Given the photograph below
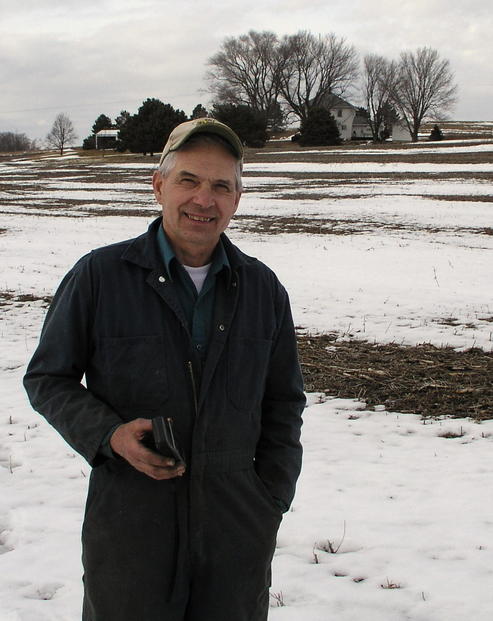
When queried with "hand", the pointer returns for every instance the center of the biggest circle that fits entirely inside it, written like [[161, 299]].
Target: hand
[[126, 442]]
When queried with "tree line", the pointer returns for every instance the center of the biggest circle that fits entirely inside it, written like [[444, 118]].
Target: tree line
[[260, 82], [148, 129], [13, 141], [289, 77]]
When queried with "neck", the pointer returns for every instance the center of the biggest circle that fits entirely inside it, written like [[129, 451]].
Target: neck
[[193, 259], [191, 254]]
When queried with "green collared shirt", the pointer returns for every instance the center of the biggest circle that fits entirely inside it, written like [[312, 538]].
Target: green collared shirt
[[198, 308]]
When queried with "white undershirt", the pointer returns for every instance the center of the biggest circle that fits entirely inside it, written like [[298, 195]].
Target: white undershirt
[[198, 275]]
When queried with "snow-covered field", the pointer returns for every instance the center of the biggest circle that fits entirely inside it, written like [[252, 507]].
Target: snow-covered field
[[392, 521]]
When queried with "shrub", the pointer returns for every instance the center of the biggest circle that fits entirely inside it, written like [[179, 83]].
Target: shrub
[[436, 133], [319, 129]]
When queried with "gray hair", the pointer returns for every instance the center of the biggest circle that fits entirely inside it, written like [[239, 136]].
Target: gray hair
[[169, 161]]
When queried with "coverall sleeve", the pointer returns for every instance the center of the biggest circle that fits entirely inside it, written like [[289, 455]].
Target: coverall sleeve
[[53, 379], [279, 452]]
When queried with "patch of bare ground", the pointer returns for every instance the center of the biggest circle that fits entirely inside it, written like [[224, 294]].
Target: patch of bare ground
[[480, 198], [426, 380], [343, 226], [285, 224], [285, 193], [86, 211], [380, 153], [462, 130], [411, 158], [354, 177], [40, 178], [117, 211], [9, 297]]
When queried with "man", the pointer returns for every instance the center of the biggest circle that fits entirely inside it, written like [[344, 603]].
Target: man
[[177, 323]]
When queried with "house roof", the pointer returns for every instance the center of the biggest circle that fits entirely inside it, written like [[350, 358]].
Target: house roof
[[334, 101]]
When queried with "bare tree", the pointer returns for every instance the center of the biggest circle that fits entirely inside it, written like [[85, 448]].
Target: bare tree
[[300, 72], [13, 141], [314, 67], [244, 72], [379, 82], [424, 89], [62, 133]]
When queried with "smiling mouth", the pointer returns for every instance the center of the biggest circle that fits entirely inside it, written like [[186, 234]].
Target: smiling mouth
[[198, 218]]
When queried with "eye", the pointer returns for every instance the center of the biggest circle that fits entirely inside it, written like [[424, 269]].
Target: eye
[[187, 182], [223, 188]]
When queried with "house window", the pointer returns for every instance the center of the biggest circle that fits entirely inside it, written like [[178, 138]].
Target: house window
[[339, 113]]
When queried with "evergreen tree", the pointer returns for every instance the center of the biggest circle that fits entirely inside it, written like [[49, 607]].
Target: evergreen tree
[[436, 133], [149, 129], [122, 118], [199, 112], [89, 142], [249, 124], [276, 117], [102, 122], [319, 129], [390, 117]]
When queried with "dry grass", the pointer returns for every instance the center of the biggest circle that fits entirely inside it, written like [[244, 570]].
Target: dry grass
[[8, 298], [340, 226], [426, 380]]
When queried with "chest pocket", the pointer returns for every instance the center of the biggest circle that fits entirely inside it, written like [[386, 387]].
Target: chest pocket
[[248, 361], [135, 369]]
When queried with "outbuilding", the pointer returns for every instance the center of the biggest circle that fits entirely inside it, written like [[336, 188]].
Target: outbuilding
[[106, 138]]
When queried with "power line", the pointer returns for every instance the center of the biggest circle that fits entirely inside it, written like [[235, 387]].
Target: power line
[[61, 107], [85, 105]]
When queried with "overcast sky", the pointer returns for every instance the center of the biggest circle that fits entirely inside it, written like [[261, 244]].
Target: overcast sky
[[87, 57]]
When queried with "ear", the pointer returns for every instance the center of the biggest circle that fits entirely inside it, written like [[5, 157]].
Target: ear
[[157, 185], [237, 201]]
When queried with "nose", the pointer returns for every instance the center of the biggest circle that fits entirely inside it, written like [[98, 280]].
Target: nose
[[204, 197]]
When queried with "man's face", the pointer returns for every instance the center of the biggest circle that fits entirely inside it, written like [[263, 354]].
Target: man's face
[[198, 197]]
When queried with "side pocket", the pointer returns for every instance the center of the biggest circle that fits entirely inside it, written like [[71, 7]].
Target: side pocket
[[135, 369], [264, 492], [248, 361]]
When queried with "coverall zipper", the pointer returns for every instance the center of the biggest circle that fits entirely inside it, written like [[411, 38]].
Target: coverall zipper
[[194, 387], [180, 514]]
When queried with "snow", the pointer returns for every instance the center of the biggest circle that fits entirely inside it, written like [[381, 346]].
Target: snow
[[405, 510], [366, 167], [401, 506], [449, 147], [398, 289]]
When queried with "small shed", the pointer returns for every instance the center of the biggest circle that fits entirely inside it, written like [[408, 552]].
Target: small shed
[[106, 138], [400, 132]]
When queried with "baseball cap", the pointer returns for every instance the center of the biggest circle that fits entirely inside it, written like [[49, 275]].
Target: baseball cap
[[205, 125]]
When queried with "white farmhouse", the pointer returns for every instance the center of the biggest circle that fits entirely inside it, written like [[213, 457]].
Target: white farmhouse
[[361, 128], [343, 112], [350, 120]]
